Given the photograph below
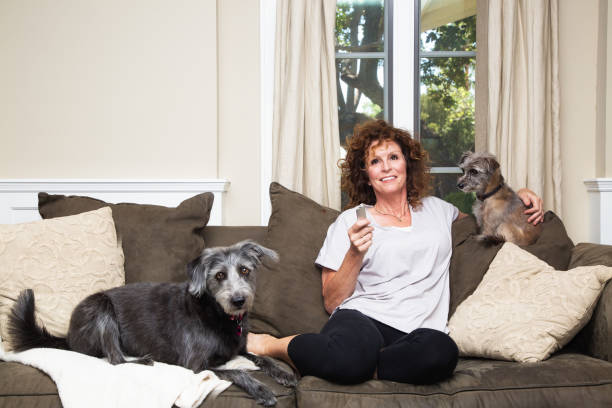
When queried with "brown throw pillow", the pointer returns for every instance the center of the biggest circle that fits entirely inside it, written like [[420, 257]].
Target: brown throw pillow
[[471, 258], [289, 299], [158, 242], [587, 254]]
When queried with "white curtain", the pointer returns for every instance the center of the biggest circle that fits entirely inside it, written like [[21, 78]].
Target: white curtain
[[523, 95], [306, 145]]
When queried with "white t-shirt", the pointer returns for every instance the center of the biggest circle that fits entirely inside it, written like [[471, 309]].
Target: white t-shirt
[[403, 280]]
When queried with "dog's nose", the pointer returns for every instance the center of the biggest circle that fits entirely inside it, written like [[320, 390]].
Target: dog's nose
[[238, 301], [460, 185]]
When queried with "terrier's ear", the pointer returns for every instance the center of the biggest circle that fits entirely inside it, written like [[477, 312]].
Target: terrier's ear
[[464, 157], [491, 163], [196, 270], [256, 252]]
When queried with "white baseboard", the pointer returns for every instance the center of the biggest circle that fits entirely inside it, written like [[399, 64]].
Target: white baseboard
[[19, 197], [600, 205]]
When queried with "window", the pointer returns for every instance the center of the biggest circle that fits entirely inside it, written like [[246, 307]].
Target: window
[[361, 63], [420, 79], [447, 70]]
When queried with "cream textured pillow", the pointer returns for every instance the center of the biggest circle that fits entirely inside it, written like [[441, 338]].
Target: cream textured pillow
[[524, 309], [63, 260]]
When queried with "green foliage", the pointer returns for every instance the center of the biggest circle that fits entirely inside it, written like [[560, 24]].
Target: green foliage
[[463, 201], [447, 129], [446, 73], [343, 19], [370, 109], [447, 103]]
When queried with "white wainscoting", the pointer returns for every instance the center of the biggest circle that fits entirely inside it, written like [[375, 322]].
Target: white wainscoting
[[19, 197], [600, 205]]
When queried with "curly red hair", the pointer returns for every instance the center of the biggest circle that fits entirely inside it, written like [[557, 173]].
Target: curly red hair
[[355, 178]]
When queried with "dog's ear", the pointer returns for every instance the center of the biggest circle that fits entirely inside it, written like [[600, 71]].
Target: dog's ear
[[255, 251], [491, 162], [464, 157], [196, 270]]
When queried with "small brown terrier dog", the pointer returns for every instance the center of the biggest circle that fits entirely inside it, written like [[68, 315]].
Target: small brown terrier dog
[[498, 209]]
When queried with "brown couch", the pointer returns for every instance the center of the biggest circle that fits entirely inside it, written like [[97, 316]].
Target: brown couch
[[289, 301]]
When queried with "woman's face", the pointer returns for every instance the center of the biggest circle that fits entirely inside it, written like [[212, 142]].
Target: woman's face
[[386, 168]]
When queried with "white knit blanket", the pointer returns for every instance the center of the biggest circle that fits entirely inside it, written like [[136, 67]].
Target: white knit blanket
[[84, 381]]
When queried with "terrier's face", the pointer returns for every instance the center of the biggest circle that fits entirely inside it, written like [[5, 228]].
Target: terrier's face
[[478, 168], [228, 274]]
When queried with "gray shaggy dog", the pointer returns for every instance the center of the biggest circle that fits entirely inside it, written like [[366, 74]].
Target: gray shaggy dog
[[499, 211], [199, 324]]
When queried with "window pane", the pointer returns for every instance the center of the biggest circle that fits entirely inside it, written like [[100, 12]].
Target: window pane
[[360, 89], [359, 25], [447, 108], [448, 28], [445, 187]]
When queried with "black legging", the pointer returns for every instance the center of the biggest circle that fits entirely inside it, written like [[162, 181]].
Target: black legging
[[352, 346]]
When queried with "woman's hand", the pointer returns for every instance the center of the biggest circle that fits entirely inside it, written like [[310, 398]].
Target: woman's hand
[[533, 204], [339, 285], [360, 235]]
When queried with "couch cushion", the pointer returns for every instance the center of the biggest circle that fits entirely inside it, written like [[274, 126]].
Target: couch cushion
[[24, 386], [289, 299], [596, 337], [158, 241], [524, 309], [586, 254], [217, 235], [565, 380], [236, 397], [63, 260], [471, 257]]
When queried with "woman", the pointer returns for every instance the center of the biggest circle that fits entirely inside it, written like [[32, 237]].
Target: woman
[[385, 277]]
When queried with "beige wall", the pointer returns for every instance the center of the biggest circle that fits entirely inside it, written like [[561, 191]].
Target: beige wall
[[113, 89], [608, 70], [582, 80], [138, 89], [239, 109]]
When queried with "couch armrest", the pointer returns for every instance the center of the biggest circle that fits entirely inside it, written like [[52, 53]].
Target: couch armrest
[[595, 339]]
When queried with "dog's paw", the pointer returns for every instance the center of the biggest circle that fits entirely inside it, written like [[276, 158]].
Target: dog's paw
[[263, 396], [489, 240], [286, 379], [144, 360]]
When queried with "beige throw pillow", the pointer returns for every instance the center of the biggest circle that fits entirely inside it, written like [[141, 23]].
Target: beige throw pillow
[[63, 260], [524, 309]]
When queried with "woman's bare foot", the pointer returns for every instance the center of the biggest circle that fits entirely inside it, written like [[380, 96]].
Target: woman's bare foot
[[267, 345], [259, 343]]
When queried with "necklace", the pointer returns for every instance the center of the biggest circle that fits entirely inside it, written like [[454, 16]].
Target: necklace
[[400, 218]]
